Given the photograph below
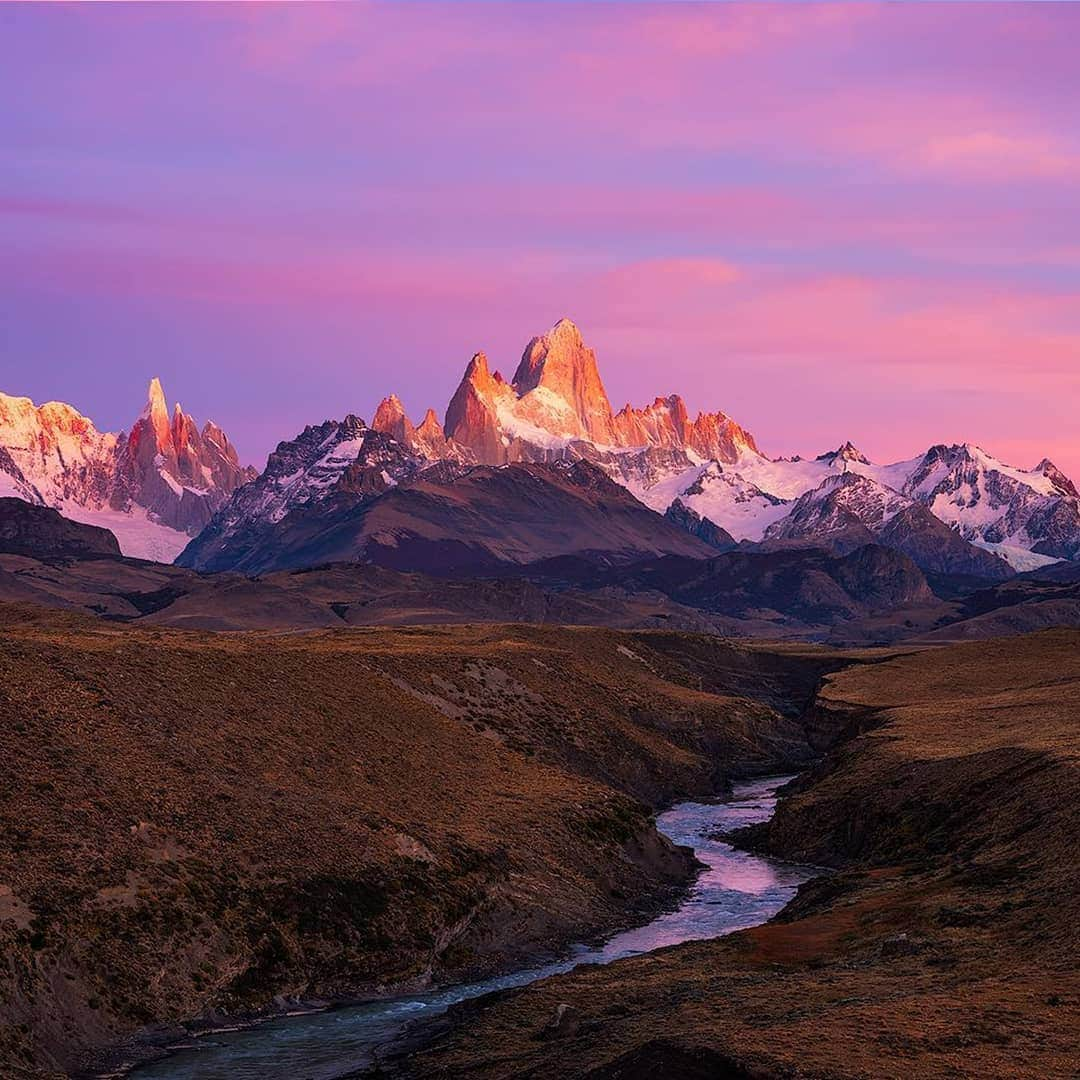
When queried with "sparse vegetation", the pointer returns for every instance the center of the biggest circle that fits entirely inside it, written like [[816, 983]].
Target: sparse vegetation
[[195, 822]]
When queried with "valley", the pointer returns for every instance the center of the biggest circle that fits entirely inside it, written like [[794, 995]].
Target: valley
[[942, 945], [206, 826], [734, 890], [216, 828]]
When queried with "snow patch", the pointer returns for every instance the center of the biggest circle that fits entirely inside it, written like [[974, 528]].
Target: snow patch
[[1020, 559], [139, 536]]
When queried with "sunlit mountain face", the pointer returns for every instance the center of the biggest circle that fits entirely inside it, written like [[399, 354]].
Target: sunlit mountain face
[[154, 485]]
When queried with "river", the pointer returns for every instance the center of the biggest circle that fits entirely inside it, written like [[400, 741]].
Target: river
[[735, 890]]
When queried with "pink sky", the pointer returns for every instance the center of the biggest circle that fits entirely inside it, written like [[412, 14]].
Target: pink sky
[[832, 222]]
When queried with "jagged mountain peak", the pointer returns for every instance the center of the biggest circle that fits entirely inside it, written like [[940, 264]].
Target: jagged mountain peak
[[556, 406], [426, 439], [153, 485], [155, 397], [848, 451], [1060, 482], [389, 411], [562, 347], [560, 373], [840, 480], [156, 413], [964, 452], [672, 404], [390, 417], [841, 500], [478, 370]]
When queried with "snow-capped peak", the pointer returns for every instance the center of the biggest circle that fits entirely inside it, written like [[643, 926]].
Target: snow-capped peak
[[845, 453]]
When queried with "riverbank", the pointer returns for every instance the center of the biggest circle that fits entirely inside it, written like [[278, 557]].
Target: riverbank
[[943, 946], [203, 826], [734, 890], [306, 1026]]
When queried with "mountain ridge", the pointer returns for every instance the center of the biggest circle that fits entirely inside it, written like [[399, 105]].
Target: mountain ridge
[[708, 471]]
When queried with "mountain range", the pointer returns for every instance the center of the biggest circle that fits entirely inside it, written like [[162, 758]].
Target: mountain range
[[536, 467]]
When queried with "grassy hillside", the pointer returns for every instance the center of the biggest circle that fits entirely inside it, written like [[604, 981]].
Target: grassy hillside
[[195, 823]]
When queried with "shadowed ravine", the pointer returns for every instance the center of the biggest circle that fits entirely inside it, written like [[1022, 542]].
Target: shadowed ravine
[[735, 891]]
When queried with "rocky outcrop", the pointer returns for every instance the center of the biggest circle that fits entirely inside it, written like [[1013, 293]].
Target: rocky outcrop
[[666, 423], [428, 440], [390, 419], [43, 533], [702, 528], [472, 415]]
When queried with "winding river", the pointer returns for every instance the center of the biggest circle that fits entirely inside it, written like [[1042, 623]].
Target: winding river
[[735, 891]]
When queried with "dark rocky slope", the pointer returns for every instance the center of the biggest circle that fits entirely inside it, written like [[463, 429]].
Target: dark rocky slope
[[804, 594], [40, 531], [445, 520], [870, 595], [807, 586]]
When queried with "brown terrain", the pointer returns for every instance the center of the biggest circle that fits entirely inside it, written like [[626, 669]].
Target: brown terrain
[[799, 594], [869, 595], [945, 943], [327, 802], [202, 825]]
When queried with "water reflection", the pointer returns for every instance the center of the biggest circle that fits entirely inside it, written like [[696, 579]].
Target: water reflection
[[735, 891]]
